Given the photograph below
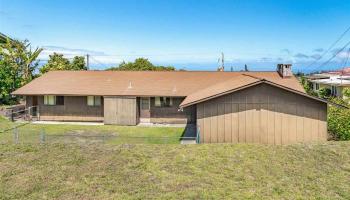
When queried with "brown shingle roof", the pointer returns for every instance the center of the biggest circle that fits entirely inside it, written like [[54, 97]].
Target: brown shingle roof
[[220, 88], [142, 83]]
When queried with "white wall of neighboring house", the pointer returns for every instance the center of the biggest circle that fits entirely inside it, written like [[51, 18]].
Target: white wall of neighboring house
[[335, 82]]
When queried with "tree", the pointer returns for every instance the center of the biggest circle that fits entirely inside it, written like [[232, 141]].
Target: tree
[[78, 63], [141, 64], [18, 63], [58, 62]]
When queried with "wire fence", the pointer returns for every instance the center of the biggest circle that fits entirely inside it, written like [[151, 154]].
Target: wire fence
[[20, 136]]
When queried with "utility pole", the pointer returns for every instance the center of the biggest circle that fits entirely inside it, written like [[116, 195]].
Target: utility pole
[[87, 61], [222, 61], [222, 65]]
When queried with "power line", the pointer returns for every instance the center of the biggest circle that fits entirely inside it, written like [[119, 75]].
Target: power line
[[339, 51], [324, 53], [347, 58]]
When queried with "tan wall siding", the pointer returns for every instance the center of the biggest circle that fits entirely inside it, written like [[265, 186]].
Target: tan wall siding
[[75, 108], [120, 110], [262, 114]]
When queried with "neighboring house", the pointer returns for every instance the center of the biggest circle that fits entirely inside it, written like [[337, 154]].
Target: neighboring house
[[3, 38], [336, 81], [262, 107]]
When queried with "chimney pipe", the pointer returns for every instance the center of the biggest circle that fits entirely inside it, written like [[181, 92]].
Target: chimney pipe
[[285, 70]]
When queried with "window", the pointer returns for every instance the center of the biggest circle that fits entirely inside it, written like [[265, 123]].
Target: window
[[49, 100], [59, 100], [144, 103], [53, 100], [317, 86], [163, 101], [157, 102], [334, 90], [93, 100]]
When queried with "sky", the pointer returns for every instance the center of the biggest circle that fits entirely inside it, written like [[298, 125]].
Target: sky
[[187, 34]]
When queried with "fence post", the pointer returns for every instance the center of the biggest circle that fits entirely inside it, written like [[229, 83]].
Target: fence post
[[42, 136], [12, 118], [29, 114], [198, 140], [37, 113], [15, 135]]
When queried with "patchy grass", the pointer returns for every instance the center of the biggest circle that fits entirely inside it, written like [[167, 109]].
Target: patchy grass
[[121, 134], [67, 171]]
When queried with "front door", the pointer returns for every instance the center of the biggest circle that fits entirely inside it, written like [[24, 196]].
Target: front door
[[145, 105], [34, 108]]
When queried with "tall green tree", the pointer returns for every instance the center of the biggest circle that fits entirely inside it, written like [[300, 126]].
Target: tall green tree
[[78, 63], [141, 64], [58, 62], [18, 62]]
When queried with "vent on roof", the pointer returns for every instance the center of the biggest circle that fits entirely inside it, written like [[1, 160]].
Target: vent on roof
[[130, 85], [285, 70]]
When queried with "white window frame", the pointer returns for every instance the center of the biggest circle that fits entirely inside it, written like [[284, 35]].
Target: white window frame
[[92, 100]]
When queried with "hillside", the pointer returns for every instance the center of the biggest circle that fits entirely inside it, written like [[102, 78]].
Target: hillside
[[67, 171]]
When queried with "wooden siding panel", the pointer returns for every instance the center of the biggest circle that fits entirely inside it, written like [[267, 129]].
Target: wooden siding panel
[[269, 115], [200, 121], [242, 122], [235, 122], [207, 123], [278, 124], [228, 122], [213, 122], [221, 122], [172, 114], [263, 128], [300, 123], [249, 123], [75, 108], [292, 123], [120, 110], [271, 124]]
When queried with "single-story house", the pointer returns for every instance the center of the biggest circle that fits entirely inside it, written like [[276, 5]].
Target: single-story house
[[335, 81], [262, 107]]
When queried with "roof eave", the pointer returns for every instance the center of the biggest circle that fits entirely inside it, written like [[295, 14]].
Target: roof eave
[[259, 82]]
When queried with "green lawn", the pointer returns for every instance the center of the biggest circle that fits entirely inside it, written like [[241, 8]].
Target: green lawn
[[30, 133], [70, 171]]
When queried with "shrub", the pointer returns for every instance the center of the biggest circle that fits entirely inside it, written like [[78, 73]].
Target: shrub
[[339, 120], [324, 93], [346, 92]]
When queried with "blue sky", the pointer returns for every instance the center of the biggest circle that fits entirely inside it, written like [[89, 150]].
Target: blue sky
[[188, 34]]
